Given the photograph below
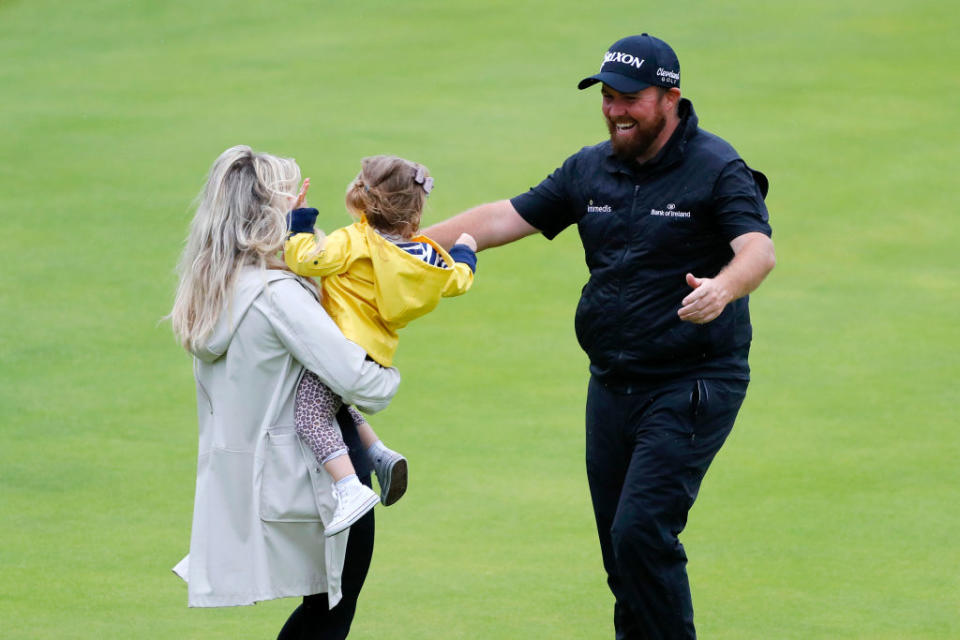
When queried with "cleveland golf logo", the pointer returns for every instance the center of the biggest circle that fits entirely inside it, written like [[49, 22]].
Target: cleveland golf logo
[[623, 58], [668, 76]]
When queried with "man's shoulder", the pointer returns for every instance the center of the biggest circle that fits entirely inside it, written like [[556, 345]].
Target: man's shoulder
[[707, 146], [709, 150], [586, 162], [593, 153]]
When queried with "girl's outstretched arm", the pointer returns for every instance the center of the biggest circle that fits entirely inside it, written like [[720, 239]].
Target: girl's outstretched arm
[[308, 253]]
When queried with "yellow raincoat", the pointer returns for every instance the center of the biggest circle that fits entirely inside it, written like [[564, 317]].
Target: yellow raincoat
[[371, 287]]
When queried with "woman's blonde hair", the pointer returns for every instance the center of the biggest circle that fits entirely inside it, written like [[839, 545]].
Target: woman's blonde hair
[[390, 192], [240, 220]]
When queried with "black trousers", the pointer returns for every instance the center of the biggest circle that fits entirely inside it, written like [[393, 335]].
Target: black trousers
[[647, 453], [314, 619]]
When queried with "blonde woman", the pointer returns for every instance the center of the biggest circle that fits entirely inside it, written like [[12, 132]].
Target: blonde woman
[[254, 328]]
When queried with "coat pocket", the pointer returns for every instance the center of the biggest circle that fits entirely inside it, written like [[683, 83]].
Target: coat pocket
[[286, 490]]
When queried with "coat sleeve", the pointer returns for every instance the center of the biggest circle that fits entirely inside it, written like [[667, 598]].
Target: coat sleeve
[[463, 269], [316, 342], [460, 281], [307, 257]]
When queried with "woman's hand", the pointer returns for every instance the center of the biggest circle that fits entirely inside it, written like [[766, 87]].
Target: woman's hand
[[467, 239], [302, 196]]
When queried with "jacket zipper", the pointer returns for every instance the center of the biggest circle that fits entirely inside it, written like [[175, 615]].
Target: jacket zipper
[[623, 257]]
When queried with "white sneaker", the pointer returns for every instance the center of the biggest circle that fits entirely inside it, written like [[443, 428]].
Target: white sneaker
[[353, 502], [391, 470]]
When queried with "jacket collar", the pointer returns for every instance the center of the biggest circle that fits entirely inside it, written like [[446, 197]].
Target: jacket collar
[[671, 153]]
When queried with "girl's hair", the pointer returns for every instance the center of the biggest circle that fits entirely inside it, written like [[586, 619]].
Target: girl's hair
[[390, 192], [240, 220]]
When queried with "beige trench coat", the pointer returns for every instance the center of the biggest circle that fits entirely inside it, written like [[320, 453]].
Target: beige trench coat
[[261, 500]]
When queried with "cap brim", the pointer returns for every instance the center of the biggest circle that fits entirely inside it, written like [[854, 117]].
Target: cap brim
[[623, 84]]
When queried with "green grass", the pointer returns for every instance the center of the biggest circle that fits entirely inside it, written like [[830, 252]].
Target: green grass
[[831, 512]]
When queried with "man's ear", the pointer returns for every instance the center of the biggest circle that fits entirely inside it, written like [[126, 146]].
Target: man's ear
[[673, 95]]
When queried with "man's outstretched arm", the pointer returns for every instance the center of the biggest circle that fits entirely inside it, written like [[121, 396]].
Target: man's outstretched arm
[[492, 224]]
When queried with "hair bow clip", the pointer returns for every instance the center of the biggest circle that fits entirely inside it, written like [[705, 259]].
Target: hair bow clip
[[423, 180]]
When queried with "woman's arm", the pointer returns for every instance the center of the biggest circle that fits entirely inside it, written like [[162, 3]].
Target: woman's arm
[[316, 342]]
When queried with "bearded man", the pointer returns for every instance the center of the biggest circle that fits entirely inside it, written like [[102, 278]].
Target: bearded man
[[676, 235]]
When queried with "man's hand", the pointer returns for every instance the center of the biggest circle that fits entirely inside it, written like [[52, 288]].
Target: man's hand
[[753, 258], [707, 300]]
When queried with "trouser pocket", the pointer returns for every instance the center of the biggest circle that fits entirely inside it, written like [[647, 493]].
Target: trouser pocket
[[699, 398], [714, 404]]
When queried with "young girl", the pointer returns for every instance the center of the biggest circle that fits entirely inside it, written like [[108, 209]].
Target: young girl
[[377, 276]]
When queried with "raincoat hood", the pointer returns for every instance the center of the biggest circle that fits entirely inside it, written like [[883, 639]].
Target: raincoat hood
[[401, 279], [245, 290]]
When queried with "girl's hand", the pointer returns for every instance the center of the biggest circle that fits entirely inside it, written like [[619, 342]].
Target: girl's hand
[[467, 239], [302, 196]]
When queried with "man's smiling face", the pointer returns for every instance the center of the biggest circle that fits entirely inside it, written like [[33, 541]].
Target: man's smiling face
[[634, 120]]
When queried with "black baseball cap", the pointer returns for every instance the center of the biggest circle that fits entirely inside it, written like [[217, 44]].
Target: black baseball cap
[[637, 62]]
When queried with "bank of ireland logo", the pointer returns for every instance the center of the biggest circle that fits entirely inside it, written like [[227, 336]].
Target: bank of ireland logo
[[604, 208], [669, 211]]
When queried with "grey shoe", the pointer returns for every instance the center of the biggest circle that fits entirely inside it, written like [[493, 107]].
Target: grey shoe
[[391, 470]]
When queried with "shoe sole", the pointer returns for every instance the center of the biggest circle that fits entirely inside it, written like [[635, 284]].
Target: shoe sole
[[358, 513], [396, 482]]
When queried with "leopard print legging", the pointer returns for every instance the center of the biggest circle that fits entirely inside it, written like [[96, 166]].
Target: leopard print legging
[[314, 417]]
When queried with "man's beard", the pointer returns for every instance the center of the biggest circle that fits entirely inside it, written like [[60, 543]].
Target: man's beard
[[629, 148]]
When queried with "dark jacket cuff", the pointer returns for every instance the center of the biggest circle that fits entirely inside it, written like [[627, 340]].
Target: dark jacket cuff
[[302, 220], [463, 253]]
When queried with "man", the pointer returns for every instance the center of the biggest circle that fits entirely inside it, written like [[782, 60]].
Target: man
[[676, 235]]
